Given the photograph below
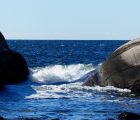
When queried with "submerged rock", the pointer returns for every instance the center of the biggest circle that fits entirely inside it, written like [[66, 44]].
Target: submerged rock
[[128, 116], [121, 69], [13, 67]]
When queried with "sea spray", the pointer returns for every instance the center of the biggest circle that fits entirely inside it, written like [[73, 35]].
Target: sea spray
[[61, 73]]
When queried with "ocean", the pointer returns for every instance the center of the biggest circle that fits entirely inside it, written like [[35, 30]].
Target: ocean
[[53, 90]]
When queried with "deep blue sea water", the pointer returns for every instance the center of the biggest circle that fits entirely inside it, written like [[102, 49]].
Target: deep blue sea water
[[53, 89]]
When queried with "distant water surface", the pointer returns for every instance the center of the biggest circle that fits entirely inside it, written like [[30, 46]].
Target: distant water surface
[[54, 88]]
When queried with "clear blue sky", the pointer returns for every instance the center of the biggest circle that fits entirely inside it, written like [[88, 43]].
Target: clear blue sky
[[70, 19]]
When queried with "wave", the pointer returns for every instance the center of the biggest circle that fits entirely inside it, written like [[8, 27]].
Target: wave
[[49, 76], [71, 74], [61, 73]]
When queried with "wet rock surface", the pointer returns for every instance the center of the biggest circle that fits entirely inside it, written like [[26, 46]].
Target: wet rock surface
[[121, 69]]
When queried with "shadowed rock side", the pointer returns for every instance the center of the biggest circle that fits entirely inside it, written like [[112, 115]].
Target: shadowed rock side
[[13, 67], [3, 43], [121, 69]]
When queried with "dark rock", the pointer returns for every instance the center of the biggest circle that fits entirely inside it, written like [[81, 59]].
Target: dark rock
[[135, 88], [3, 43], [55, 119], [1, 118], [13, 67], [92, 76], [2, 86], [128, 116], [110, 119]]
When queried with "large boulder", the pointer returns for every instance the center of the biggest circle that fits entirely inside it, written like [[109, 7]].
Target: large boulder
[[13, 67], [121, 69]]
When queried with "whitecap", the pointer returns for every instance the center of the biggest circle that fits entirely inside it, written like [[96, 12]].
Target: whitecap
[[61, 73], [72, 90]]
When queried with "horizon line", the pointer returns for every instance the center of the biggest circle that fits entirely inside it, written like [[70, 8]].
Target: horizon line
[[72, 39]]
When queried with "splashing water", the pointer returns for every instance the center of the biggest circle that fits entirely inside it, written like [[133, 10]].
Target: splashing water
[[65, 63], [70, 85], [65, 74], [61, 73]]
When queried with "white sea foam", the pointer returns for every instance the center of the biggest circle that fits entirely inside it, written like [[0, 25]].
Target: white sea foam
[[72, 90], [61, 73], [66, 73], [107, 88]]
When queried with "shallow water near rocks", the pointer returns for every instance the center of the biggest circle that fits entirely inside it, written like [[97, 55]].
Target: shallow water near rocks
[[53, 90]]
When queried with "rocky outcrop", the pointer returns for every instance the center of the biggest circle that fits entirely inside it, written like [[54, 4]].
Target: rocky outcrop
[[13, 67], [121, 69]]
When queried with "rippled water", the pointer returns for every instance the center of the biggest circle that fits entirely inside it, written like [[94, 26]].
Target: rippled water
[[53, 90]]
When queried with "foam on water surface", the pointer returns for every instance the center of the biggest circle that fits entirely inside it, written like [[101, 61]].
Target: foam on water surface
[[44, 81], [72, 90], [67, 63]]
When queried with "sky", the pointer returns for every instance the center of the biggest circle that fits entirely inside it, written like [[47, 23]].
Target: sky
[[70, 19]]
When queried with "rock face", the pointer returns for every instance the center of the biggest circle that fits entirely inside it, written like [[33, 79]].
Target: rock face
[[13, 67], [121, 69]]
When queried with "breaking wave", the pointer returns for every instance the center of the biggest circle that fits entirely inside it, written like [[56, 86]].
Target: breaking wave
[[63, 81], [61, 73], [50, 76]]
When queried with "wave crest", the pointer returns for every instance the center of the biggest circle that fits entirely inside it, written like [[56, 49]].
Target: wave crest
[[61, 73]]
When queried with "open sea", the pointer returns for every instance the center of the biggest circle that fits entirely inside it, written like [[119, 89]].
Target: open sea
[[53, 90]]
